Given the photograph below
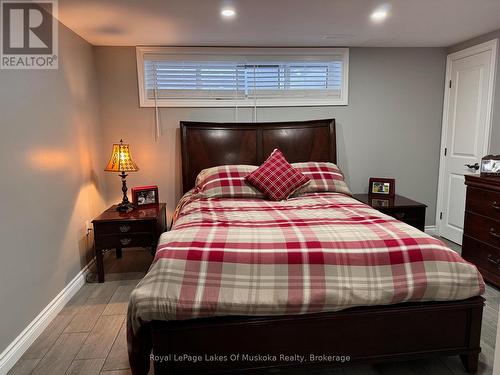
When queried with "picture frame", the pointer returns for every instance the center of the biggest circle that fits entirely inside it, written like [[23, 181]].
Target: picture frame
[[490, 166], [145, 196], [382, 187]]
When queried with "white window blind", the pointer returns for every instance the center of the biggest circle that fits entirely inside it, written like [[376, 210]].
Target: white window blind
[[263, 77]]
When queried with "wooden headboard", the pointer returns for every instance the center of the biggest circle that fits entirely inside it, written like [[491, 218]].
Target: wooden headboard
[[208, 144]]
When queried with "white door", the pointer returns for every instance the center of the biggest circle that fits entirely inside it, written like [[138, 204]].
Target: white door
[[466, 129]]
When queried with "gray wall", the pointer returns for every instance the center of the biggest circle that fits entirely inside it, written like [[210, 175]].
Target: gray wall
[[495, 129], [391, 127], [50, 182]]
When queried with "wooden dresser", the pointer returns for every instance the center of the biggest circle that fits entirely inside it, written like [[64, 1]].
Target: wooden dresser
[[481, 242]]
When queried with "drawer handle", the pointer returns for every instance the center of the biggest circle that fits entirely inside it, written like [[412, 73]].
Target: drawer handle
[[124, 228], [493, 260], [493, 233], [495, 205], [125, 241]]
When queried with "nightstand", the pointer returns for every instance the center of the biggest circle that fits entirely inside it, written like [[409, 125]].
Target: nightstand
[[117, 230], [399, 207]]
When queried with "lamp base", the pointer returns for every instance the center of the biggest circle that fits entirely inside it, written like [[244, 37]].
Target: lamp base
[[125, 207]]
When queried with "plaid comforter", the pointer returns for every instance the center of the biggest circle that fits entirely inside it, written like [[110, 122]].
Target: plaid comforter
[[313, 253]]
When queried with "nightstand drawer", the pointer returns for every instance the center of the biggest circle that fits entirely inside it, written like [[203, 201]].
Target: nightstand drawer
[[483, 202], [405, 214], [482, 228], [123, 227], [124, 240], [414, 216]]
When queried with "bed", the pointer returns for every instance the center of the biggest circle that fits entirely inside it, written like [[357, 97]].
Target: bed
[[199, 335]]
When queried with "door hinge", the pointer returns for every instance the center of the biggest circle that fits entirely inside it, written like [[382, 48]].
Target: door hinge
[[440, 216], [445, 151], [450, 84]]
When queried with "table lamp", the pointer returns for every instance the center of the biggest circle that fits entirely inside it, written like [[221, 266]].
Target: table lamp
[[121, 161]]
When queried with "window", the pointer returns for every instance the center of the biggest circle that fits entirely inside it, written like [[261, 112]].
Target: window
[[227, 77]]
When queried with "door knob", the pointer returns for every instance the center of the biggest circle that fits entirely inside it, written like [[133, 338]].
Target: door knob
[[473, 166]]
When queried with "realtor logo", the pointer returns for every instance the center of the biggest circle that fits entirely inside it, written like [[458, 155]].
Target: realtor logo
[[29, 34]]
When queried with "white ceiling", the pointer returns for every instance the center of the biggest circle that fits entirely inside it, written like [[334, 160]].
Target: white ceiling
[[279, 22]]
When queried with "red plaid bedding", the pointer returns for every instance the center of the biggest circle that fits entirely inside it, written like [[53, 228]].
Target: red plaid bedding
[[319, 252]]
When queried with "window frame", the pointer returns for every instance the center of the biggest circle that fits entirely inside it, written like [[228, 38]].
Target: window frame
[[233, 53]]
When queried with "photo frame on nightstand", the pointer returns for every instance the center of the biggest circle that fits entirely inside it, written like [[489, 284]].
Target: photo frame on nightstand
[[145, 196], [382, 187]]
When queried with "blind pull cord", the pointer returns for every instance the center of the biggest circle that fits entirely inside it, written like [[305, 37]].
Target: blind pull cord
[[254, 94], [157, 130], [236, 98]]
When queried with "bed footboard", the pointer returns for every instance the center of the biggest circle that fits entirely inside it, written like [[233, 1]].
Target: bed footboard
[[362, 334]]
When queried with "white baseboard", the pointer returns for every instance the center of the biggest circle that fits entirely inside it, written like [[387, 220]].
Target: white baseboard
[[21, 343], [431, 230]]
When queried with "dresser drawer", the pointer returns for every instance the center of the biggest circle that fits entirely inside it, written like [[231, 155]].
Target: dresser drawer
[[124, 240], [482, 228], [123, 227], [483, 202], [485, 257]]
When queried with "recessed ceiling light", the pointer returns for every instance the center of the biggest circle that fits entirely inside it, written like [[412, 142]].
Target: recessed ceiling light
[[380, 14], [228, 12]]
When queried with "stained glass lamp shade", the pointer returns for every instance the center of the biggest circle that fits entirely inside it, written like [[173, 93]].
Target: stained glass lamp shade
[[121, 161]]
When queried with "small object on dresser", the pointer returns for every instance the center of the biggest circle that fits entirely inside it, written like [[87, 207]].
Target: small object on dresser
[[121, 161], [382, 187], [490, 166], [143, 196]]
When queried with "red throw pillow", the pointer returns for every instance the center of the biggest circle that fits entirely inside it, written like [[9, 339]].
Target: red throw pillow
[[276, 178]]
